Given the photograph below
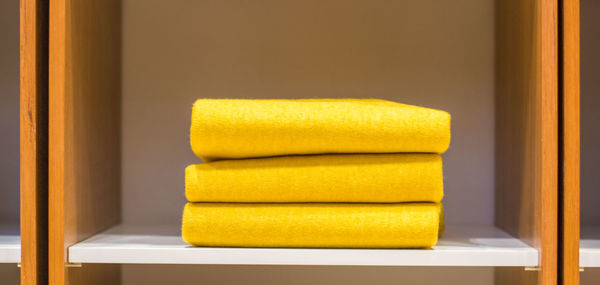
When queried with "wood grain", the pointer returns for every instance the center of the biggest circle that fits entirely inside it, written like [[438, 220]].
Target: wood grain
[[84, 141], [527, 130], [34, 141], [570, 138]]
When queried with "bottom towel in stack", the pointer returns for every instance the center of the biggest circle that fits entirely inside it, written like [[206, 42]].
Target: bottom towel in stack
[[403, 225]]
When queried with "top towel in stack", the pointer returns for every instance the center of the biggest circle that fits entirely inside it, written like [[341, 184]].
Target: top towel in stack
[[240, 128], [281, 154]]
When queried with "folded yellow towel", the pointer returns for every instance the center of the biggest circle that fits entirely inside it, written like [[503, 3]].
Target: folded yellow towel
[[318, 178], [405, 225], [238, 128]]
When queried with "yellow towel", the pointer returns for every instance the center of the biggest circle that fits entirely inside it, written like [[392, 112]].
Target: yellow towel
[[238, 128], [318, 178], [405, 225]]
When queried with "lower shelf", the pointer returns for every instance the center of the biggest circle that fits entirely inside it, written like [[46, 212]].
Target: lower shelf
[[459, 246], [10, 249], [589, 247]]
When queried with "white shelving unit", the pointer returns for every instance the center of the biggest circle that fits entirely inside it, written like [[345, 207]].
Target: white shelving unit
[[10, 249], [459, 246], [589, 247]]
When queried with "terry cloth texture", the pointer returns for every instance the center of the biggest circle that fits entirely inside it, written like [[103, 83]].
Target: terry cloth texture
[[405, 225], [239, 128], [319, 178]]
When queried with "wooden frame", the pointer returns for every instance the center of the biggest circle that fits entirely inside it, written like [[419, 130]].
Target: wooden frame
[[84, 144], [527, 130], [570, 144], [84, 116], [34, 141]]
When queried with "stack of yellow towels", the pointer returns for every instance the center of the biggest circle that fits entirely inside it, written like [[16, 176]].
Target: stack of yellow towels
[[345, 173]]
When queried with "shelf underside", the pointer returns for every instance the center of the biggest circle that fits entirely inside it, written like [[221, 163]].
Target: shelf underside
[[459, 246], [589, 247]]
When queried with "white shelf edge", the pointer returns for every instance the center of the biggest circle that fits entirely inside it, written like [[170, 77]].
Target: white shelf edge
[[589, 247], [10, 249], [459, 246]]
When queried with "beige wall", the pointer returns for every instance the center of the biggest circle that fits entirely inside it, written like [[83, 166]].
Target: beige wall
[[9, 128], [437, 54], [590, 112], [9, 112], [432, 53]]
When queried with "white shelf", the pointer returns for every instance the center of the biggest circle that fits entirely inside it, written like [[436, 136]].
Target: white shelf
[[459, 246], [10, 249], [589, 247]]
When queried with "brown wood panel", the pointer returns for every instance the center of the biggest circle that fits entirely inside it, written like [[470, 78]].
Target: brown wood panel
[[84, 140], [569, 255], [34, 141], [527, 131]]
